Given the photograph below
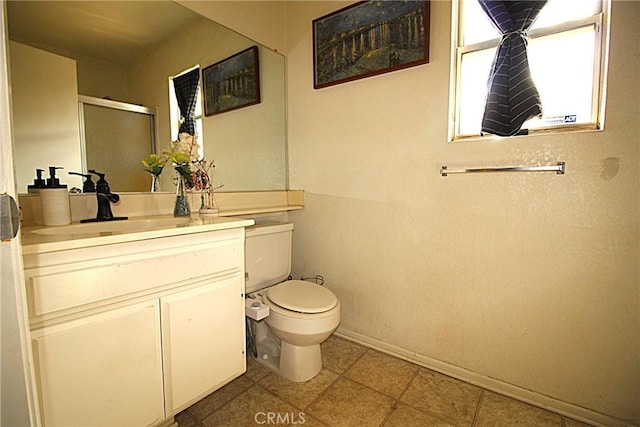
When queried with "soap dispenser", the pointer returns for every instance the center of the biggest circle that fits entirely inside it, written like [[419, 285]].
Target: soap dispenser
[[54, 200]]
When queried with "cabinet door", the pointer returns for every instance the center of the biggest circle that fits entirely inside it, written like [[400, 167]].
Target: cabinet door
[[203, 340], [104, 369]]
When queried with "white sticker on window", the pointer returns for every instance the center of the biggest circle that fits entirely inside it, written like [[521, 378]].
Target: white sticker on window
[[556, 120]]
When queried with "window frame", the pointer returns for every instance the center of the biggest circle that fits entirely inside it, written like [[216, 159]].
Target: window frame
[[600, 21]]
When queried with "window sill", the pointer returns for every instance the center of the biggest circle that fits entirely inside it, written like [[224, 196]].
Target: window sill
[[563, 130]]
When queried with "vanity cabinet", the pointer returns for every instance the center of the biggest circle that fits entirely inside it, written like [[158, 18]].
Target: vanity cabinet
[[132, 333]]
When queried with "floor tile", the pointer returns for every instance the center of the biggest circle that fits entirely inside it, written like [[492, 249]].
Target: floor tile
[[256, 370], [215, 400], [443, 397], [309, 421], [254, 406], [496, 410], [359, 386], [570, 422], [405, 416], [383, 373], [339, 354], [346, 403], [185, 419], [298, 394]]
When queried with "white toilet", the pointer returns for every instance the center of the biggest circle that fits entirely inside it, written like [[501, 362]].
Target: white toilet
[[301, 314]]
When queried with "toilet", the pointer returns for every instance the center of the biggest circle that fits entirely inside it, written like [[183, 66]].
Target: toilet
[[301, 314]]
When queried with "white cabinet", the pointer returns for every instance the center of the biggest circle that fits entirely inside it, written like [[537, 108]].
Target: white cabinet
[[203, 333], [132, 333], [104, 369]]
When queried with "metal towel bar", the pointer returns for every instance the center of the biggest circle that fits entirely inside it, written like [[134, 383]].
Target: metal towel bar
[[557, 168]]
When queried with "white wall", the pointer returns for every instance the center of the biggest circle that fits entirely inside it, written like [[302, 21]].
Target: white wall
[[528, 279]]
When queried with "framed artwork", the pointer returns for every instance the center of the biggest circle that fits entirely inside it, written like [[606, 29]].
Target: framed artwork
[[369, 38], [232, 83]]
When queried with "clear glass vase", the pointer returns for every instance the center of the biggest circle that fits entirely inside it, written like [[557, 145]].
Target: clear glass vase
[[181, 207], [155, 183]]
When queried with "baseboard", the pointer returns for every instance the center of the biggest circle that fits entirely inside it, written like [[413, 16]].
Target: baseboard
[[528, 396]]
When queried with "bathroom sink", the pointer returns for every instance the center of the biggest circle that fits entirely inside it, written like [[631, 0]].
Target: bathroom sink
[[130, 225]]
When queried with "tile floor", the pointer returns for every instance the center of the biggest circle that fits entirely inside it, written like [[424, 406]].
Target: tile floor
[[359, 386]]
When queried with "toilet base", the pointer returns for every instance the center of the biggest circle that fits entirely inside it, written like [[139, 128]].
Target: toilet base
[[299, 364], [295, 363]]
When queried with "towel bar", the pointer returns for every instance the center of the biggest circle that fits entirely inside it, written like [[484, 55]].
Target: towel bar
[[557, 168]]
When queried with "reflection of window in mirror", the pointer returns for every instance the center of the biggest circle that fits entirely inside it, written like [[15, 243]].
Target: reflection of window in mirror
[[174, 113]]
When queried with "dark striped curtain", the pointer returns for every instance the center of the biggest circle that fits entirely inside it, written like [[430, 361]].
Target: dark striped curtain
[[512, 97], [186, 88]]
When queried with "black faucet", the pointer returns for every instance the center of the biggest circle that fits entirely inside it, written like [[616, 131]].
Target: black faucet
[[105, 198]]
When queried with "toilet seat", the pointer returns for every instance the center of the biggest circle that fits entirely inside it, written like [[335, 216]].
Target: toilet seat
[[302, 297]]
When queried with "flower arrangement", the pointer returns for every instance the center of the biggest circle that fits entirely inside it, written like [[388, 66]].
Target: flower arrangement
[[201, 178], [195, 173], [154, 164], [182, 154]]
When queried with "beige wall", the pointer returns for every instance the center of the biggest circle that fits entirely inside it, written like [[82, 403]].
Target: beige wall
[[528, 282], [45, 115], [100, 79], [261, 20]]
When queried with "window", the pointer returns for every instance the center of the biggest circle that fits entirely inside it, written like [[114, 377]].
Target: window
[[567, 58], [174, 111]]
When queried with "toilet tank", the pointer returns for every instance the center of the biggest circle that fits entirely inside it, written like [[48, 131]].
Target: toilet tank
[[267, 254]]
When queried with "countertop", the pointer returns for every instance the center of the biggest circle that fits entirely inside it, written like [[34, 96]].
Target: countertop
[[34, 243]]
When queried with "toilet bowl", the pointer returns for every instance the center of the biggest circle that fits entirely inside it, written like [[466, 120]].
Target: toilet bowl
[[302, 314], [301, 326]]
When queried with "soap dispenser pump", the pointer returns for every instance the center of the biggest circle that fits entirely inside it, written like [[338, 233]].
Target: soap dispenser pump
[[53, 181], [38, 183], [54, 200]]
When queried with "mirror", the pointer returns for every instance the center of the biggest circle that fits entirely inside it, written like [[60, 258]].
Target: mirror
[[126, 51]]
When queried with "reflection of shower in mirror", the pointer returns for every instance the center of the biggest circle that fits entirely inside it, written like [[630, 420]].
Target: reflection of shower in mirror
[[114, 136]]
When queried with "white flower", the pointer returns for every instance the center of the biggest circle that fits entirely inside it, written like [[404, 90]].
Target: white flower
[[188, 144]]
